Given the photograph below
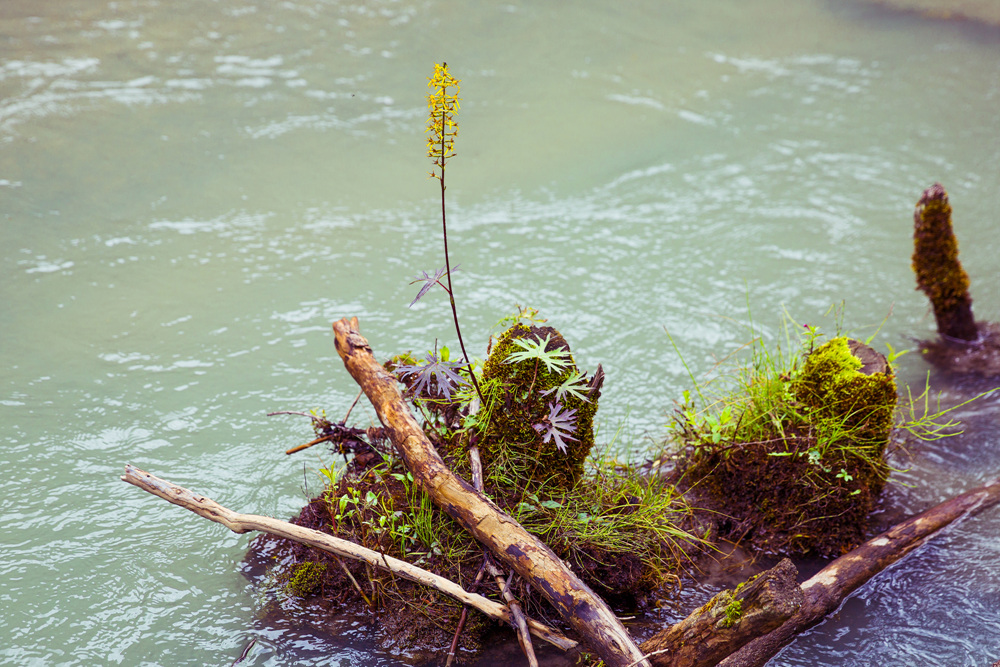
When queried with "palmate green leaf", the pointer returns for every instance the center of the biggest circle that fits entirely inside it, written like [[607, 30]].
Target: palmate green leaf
[[555, 361], [574, 385]]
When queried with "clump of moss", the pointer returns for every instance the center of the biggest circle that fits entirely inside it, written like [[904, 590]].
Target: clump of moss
[[939, 272], [849, 385], [733, 612], [305, 579], [798, 462], [521, 396]]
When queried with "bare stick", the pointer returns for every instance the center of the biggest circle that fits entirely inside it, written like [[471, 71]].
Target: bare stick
[[465, 614], [318, 440], [243, 523], [523, 638]]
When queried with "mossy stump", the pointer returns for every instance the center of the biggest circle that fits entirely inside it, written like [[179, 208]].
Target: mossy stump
[[939, 273], [522, 395], [808, 489]]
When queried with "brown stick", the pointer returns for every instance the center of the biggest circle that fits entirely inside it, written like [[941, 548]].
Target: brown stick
[[584, 611], [465, 614], [520, 624], [728, 621], [243, 523], [299, 448], [827, 589]]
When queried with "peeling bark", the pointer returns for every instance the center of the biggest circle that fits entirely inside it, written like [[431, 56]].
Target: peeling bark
[[728, 621]]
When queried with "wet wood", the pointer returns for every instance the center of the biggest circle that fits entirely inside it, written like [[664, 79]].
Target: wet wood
[[825, 592], [243, 523], [506, 539], [939, 272], [728, 621]]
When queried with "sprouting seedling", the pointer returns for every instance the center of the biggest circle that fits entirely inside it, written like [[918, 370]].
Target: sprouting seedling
[[442, 128], [557, 425]]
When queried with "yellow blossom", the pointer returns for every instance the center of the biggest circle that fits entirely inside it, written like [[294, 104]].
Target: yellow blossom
[[442, 103]]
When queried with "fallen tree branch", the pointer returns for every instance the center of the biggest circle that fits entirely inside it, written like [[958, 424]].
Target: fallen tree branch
[[243, 523], [728, 621], [579, 606], [830, 586]]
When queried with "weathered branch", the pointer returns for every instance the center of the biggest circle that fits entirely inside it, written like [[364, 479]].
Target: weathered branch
[[830, 586], [243, 523], [728, 621], [579, 606]]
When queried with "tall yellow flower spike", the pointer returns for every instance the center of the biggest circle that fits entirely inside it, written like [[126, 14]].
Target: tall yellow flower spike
[[441, 124]]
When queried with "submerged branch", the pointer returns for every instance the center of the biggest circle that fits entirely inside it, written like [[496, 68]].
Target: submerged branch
[[830, 586]]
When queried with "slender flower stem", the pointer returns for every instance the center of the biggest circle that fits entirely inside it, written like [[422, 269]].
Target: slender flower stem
[[451, 292]]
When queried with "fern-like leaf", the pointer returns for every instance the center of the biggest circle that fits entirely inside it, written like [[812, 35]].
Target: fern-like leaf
[[433, 378], [555, 361], [557, 425]]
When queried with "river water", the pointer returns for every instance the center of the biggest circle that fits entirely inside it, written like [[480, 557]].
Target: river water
[[192, 192]]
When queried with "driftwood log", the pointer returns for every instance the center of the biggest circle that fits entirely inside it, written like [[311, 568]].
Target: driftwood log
[[728, 621], [244, 523], [825, 591], [505, 538]]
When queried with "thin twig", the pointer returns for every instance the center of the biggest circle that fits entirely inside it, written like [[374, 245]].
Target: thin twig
[[244, 523], [519, 621], [465, 615], [356, 399], [318, 440], [354, 581]]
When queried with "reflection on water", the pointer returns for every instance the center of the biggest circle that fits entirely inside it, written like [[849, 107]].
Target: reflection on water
[[191, 192]]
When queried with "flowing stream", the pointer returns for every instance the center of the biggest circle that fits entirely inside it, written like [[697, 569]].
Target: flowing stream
[[191, 192]]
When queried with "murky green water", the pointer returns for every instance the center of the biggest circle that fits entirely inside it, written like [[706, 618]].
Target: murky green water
[[191, 192]]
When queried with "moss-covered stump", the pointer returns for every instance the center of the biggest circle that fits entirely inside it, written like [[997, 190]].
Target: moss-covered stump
[[939, 272], [540, 412], [807, 483], [850, 387]]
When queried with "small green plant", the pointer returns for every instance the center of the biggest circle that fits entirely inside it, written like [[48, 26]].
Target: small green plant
[[733, 613], [442, 128]]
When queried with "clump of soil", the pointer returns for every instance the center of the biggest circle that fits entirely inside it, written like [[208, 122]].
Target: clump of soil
[[807, 482]]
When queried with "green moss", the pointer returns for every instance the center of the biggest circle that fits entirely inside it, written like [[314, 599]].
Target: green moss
[[935, 261], [520, 395], [836, 390], [305, 579], [935, 254], [797, 468], [734, 612]]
